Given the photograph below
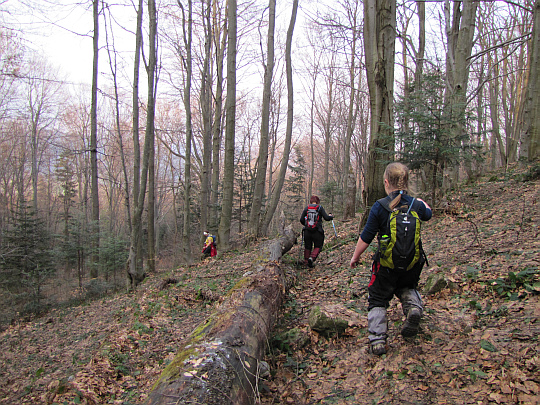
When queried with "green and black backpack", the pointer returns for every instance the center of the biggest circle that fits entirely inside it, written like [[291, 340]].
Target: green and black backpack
[[401, 248]]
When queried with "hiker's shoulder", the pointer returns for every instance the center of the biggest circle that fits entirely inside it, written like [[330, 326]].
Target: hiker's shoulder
[[382, 204]]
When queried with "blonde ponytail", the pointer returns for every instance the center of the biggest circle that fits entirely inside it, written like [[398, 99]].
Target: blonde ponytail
[[397, 175]]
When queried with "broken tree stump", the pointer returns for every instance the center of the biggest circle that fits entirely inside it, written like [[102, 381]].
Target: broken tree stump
[[220, 362]]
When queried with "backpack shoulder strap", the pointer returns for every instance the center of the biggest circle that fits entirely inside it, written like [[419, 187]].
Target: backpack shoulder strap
[[410, 206], [385, 202]]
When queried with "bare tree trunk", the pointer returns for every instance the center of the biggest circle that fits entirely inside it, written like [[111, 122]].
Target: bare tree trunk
[[151, 242], [379, 43], [260, 178], [218, 116], [480, 113], [530, 141], [419, 57], [328, 124], [136, 273], [34, 149], [273, 137], [150, 132], [288, 131], [206, 112], [460, 34], [93, 146], [189, 132], [311, 129], [134, 266], [351, 118], [224, 231]]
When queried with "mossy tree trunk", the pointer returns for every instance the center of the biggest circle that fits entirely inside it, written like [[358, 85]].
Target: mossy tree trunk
[[220, 362]]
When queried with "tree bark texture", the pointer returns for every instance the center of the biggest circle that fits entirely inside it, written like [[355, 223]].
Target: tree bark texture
[[419, 56], [460, 28], [220, 41], [150, 130], [220, 362], [188, 66], [134, 265], [288, 131], [206, 113], [328, 124], [530, 142], [224, 230], [258, 193], [351, 118], [93, 145], [379, 43]]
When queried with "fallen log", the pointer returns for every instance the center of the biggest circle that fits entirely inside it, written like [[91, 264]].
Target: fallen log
[[220, 363]]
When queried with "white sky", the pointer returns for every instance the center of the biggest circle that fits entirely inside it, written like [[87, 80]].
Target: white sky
[[62, 31]]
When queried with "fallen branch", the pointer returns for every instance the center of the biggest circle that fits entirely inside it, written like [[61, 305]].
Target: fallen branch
[[476, 233]]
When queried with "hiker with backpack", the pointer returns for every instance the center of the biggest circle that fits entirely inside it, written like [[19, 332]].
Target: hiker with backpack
[[399, 258], [209, 248], [313, 229]]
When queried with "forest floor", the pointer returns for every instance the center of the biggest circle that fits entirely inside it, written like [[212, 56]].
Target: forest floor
[[478, 343]]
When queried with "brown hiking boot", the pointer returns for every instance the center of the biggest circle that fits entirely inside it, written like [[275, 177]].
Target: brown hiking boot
[[378, 349], [412, 323]]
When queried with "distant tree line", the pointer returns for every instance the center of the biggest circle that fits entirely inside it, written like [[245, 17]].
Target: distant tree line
[[225, 114]]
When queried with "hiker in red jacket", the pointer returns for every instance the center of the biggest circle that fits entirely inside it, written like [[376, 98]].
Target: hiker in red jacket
[[313, 229]]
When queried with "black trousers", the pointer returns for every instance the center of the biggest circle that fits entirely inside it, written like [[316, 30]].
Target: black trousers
[[313, 238], [386, 282]]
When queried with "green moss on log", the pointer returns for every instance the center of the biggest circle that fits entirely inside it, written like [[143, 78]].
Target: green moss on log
[[243, 282], [178, 364]]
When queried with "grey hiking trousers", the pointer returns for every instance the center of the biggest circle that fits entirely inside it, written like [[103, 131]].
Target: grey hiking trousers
[[384, 284], [377, 319]]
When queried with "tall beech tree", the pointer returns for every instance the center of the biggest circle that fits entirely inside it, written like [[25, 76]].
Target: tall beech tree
[[288, 131], [379, 44], [135, 267], [530, 142], [262, 160], [205, 98], [188, 66], [136, 272], [151, 71], [349, 190], [93, 144], [220, 42], [224, 230], [149, 143], [460, 27]]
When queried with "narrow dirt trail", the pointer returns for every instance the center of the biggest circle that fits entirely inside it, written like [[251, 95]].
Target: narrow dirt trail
[[478, 341]]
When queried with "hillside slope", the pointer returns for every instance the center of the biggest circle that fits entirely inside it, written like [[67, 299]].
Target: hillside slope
[[478, 341]]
